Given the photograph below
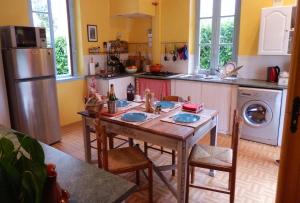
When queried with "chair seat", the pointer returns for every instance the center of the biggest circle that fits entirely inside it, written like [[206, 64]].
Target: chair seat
[[124, 159], [205, 155]]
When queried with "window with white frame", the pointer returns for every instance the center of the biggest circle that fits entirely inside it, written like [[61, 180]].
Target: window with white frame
[[55, 16], [216, 33]]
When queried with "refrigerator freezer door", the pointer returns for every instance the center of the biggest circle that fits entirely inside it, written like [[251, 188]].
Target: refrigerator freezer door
[[4, 112], [38, 109], [29, 63]]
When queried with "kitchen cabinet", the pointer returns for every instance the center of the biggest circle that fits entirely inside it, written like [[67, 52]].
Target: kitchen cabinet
[[183, 89], [132, 8], [223, 98], [276, 30], [120, 84]]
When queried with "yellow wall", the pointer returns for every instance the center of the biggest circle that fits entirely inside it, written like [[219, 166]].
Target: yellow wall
[[121, 7], [250, 22], [139, 30], [70, 100], [97, 12], [175, 20], [14, 12]]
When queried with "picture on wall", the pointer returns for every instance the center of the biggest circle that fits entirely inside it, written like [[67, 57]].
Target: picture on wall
[[92, 33]]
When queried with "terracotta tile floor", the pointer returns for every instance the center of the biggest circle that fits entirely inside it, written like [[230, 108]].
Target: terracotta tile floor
[[256, 172]]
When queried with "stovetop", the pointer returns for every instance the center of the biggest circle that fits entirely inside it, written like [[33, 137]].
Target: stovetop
[[161, 74]]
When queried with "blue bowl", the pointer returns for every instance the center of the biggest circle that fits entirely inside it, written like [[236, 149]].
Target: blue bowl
[[165, 104], [134, 117], [186, 118], [122, 103]]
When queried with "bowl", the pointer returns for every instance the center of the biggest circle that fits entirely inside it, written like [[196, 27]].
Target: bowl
[[155, 68], [131, 69]]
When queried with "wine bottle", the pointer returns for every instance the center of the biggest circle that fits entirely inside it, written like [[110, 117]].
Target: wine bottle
[[112, 95]]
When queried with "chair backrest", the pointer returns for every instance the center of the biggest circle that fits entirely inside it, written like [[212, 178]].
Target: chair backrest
[[235, 137], [171, 98], [102, 150]]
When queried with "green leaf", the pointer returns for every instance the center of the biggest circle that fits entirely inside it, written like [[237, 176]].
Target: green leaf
[[30, 190], [12, 175], [33, 147], [6, 147], [7, 190], [38, 171]]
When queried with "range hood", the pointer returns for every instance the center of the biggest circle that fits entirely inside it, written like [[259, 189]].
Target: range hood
[[132, 8]]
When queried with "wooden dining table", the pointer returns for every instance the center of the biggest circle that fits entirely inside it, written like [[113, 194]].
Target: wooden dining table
[[173, 136]]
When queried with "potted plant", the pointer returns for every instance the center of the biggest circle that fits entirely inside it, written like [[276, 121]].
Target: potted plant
[[22, 169]]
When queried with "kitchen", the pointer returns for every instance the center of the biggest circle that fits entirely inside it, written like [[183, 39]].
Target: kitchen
[[157, 32]]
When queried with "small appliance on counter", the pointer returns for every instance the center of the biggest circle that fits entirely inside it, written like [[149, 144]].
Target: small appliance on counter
[[273, 73], [283, 78]]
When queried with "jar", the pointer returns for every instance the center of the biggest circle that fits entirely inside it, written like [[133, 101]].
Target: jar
[[130, 92]]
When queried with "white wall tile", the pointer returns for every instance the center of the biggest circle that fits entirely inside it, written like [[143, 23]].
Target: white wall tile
[[255, 67]]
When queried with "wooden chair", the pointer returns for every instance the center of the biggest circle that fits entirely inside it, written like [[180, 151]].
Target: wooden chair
[[123, 160], [173, 153], [216, 158]]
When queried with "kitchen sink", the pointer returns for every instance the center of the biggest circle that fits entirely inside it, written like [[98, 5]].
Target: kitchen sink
[[200, 77]]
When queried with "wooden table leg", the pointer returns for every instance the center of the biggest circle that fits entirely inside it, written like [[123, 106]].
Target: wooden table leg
[[86, 141], [213, 142], [182, 154]]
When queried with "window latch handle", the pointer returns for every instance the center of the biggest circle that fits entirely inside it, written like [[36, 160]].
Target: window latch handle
[[295, 115]]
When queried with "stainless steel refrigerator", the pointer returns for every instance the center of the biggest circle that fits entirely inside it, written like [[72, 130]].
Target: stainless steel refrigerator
[[31, 85], [4, 112]]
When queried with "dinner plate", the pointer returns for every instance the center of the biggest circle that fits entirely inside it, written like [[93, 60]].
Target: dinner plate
[[122, 103], [134, 117], [186, 118], [165, 104]]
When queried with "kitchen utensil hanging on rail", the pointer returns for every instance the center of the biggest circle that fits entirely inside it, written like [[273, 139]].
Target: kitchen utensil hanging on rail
[[166, 57], [175, 53]]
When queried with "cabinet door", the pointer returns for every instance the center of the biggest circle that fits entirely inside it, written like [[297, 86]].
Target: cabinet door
[[274, 31], [187, 88], [120, 85], [219, 97]]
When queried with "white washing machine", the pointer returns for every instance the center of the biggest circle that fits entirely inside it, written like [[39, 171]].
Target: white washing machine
[[261, 112]]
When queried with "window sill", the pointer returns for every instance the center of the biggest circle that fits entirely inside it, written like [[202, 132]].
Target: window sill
[[68, 78]]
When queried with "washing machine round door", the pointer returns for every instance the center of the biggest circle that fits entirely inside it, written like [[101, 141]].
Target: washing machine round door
[[257, 113]]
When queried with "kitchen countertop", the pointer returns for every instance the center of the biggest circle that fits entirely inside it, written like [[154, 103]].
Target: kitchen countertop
[[121, 75], [240, 82], [84, 182]]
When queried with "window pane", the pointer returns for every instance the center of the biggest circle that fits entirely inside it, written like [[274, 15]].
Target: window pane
[[227, 7], [226, 30], [42, 20], [205, 57], [61, 37], [205, 31], [206, 8], [225, 54], [39, 5]]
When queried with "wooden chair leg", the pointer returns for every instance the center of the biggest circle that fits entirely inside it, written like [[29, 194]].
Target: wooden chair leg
[[130, 140], [146, 148], [111, 142], [150, 179], [187, 185], [192, 174], [229, 181], [161, 150], [232, 187], [173, 161], [137, 177]]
